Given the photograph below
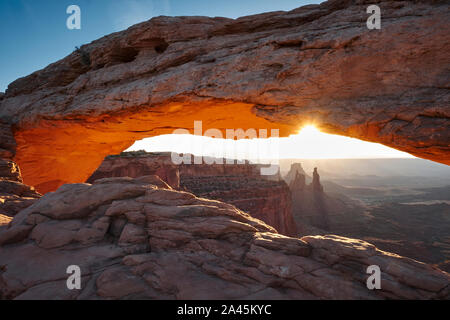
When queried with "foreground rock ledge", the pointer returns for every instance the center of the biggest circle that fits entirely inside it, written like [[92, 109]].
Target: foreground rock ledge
[[317, 63], [139, 239]]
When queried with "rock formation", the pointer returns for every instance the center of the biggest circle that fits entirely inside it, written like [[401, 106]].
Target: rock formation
[[140, 239], [239, 184], [14, 195], [7, 142], [269, 201], [310, 205], [316, 64], [296, 169], [315, 185], [138, 164]]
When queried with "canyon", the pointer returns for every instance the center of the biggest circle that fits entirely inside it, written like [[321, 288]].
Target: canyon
[[302, 205], [401, 221], [264, 197]]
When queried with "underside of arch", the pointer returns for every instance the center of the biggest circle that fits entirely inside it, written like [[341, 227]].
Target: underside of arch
[[280, 70]]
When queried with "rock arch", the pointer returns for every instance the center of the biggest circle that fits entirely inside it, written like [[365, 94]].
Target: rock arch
[[317, 63]]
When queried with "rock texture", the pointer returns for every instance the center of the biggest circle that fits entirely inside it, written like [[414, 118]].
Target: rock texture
[[14, 195], [7, 141], [310, 205], [267, 198], [138, 164], [316, 64], [138, 238]]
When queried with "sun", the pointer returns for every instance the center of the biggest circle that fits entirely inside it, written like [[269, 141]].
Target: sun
[[311, 143], [309, 130]]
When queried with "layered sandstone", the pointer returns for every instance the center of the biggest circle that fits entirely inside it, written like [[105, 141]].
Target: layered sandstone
[[140, 239], [14, 195], [7, 141], [316, 64], [138, 164], [267, 198]]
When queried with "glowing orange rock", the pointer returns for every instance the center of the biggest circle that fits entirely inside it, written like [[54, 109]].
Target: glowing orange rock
[[316, 64]]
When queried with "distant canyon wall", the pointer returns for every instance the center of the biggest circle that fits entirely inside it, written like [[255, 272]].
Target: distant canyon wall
[[266, 198]]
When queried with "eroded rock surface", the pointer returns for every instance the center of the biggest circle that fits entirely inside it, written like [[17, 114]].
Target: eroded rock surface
[[138, 164], [14, 195], [7, 141], [138, 238], [315, 64], [267, 200]]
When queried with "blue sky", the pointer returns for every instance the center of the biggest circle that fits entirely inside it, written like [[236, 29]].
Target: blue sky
[[33, 33]]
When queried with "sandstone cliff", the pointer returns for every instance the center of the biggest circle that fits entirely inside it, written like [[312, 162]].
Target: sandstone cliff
[[311, 206], [269, 201], [138, 238], [136, 165], [315, 64], [14, 195]]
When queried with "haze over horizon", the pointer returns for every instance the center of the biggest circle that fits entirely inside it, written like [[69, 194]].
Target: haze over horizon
[[309, 143]]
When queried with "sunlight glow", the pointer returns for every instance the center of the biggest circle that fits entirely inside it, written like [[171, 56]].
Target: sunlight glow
[[309, 143]]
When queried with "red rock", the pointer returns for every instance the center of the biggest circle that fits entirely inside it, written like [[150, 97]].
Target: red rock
[[9, 170], [239, 184], [7, 141], [134, 166], [14, 195]]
